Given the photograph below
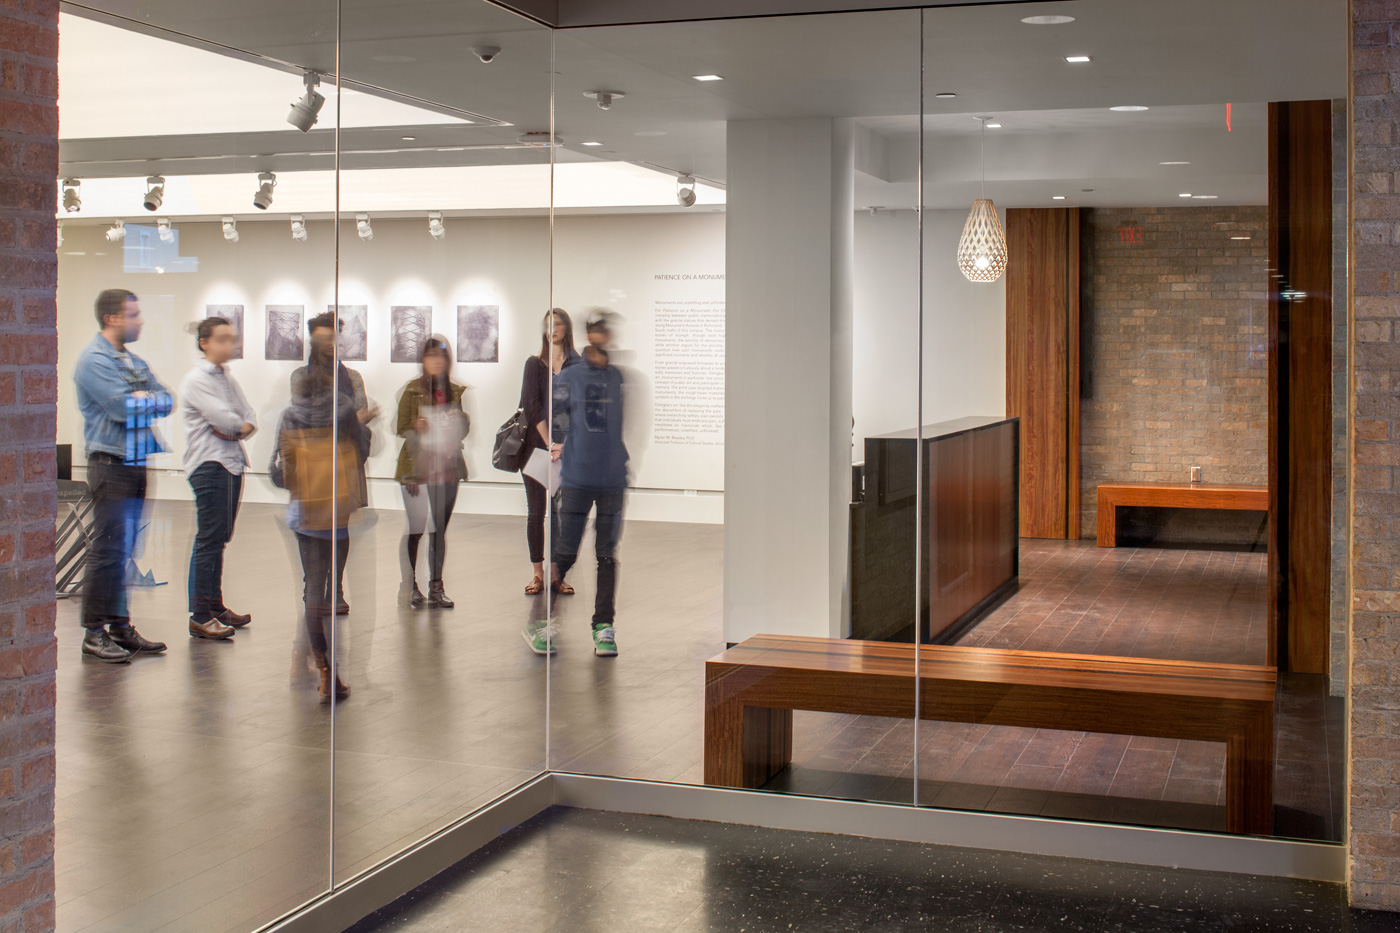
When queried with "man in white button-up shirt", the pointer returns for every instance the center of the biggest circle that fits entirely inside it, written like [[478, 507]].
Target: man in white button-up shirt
[[217, 418]]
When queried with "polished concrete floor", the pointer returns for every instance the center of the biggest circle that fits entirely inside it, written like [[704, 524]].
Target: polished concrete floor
[[218, 755], [577, 871]]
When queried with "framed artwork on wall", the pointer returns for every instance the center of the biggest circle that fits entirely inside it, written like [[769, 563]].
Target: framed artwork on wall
[[234, 315], [478, 333], [285, 340], [354, 332], [409, 328]]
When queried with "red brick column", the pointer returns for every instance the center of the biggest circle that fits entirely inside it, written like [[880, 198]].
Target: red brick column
[[28, 374], [1375, 438]]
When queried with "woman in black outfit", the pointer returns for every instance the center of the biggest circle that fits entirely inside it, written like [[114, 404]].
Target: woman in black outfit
[[556, 352]]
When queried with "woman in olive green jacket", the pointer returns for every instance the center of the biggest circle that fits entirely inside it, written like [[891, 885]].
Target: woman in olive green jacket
[[433, 427]]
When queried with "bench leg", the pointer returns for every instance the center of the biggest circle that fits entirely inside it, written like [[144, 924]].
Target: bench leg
[[767, 743], [1249, 779], [1108, 523], [744, 746]]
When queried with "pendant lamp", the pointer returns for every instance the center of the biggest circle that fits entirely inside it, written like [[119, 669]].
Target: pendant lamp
[[982, 247]]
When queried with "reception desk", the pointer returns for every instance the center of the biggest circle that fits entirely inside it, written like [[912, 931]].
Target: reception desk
[[968, 530]]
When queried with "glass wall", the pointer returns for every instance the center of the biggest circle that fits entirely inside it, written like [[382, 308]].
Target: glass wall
[[194, 754], [644, 401]]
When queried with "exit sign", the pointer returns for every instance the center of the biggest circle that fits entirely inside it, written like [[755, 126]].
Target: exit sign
[[1129, 234]]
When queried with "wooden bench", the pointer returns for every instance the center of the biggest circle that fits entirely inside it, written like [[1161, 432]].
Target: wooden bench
[[752, 689], [1173, 496]]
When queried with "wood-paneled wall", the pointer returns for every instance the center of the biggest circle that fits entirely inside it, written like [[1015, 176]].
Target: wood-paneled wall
[[1300, 382], [1042, 364]]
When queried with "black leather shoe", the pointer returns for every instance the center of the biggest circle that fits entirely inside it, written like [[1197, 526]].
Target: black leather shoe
[[233, 619], [98, 646], [342, 608], [415, 599], [126, 636], [437, 597], [211, 629]]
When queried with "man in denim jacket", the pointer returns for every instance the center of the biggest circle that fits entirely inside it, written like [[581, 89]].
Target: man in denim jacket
[[119, 397]]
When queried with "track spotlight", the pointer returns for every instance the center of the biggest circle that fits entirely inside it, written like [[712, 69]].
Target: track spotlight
[[363, 228], [604, 98], [155, 192], [230, 230], [163, 230], [263, 199], [72, 200], [306, 111], [299, 228], [685, 191], [117, 232], [436, 228]]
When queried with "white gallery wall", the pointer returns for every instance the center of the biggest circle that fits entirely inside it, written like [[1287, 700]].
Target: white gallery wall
[[662, 274], [964, 346]]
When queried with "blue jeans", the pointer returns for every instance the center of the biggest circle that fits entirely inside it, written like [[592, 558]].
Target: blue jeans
[[118, 501], [217, 493], [574, 506]]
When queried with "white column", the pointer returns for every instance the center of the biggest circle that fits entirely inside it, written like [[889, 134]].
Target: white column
[[788, 272]]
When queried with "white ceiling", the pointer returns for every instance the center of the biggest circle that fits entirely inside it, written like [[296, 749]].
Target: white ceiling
[[1185, 60]]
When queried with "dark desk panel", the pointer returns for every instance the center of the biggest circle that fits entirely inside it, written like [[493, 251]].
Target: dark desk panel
[[969, 528]]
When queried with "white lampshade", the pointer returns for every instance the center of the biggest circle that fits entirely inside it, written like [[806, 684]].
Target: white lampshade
[[982, 247]]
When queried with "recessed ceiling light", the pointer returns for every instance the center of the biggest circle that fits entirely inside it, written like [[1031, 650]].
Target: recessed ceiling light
[[1052, 19], [650, 133], [1241, 238], [707, 77], [1057, 197], [993, 126], [945, 95], [1205, 197], [1128, 108], [591, 143], [1077, 59], [409, 139], [1173, 163], [1184, 194]]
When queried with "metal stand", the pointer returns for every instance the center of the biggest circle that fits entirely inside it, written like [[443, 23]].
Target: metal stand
[[77, 529]]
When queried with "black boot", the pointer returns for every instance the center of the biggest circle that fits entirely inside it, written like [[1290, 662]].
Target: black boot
[[98, 646], [415, 598], [437, 597]]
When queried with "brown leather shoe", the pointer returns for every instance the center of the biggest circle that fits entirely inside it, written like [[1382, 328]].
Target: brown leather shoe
[[233, 619], [211, 629]]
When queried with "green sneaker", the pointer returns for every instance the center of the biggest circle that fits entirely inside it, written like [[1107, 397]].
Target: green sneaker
[[539, 636], [604, 641]]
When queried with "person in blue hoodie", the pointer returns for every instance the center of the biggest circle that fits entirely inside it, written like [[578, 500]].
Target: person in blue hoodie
[[593, 476], [119, 398]]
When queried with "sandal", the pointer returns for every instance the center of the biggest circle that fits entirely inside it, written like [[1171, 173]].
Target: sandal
[[534, 586], [563, 588]]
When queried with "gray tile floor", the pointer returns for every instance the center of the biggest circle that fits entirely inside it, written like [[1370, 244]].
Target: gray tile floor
[[220, 752], [577, 871]]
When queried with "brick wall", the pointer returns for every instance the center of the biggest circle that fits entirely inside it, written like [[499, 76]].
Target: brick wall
[[1375, 505], [1175, 356], [28, 372]]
